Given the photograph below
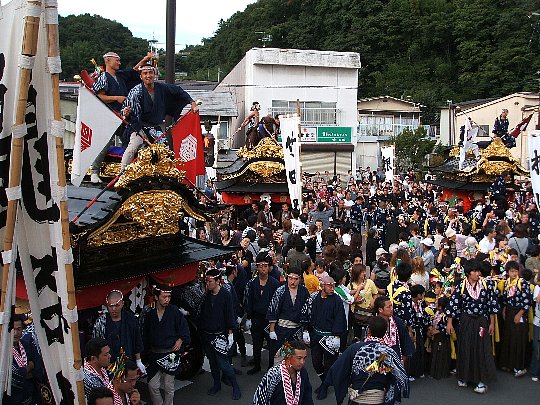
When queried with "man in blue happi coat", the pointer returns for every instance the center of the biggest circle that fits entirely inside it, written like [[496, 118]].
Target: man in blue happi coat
[[148, 104], [369, 372], [285, 310], [324, 317], [500, 129], [112, 87]]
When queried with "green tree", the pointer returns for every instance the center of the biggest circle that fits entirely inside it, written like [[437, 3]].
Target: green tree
[[86, 36], [412, 147]]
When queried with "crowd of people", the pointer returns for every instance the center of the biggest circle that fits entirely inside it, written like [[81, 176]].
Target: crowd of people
[[433, 289], [458, 288], [384, 281]]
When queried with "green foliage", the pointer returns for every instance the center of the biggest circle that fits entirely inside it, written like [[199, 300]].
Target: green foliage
[[430, 50], [412, 147], [84, 37]]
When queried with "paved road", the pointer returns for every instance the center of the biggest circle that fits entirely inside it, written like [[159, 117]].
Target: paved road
[[425, 391]]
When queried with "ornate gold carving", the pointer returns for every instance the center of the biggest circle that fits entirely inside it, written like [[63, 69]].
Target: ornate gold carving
[[254, 178], [155, 160], [148, 213], [264, 169], [497, 149], [494, 159], [266, 147], [110, 169]]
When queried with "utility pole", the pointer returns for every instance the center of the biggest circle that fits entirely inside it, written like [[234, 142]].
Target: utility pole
[[170, 42], [170, 48]]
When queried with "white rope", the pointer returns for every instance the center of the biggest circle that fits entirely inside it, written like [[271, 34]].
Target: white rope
[[77, 374], [4, 318], [51, 15], [26, 62], [58, 128], [19, 131], [33, 10], [58, 193], [65, 256], [7, 256], [14, 193], [54, 64], [71, 315]]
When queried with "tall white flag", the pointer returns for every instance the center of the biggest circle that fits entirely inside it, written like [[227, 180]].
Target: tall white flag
[[38, 227], [388, 161], [534, 163], [95, 125], [290, 138]]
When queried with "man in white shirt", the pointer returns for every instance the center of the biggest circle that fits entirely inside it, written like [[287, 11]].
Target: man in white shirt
[[427, 254], [296, 223], [488, 241]]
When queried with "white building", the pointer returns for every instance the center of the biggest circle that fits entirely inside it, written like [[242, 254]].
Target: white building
[[326, 85], [380, 118]]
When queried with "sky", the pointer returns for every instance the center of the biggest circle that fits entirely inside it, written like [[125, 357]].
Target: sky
[[195, 20]]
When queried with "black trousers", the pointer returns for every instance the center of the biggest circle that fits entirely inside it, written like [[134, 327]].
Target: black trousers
[[322, 360], [258, 324], [240, 341]]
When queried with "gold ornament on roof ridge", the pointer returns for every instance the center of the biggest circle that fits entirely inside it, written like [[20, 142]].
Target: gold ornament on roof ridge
[[266, 147], [264, 169], [155, 160], [497, 149]]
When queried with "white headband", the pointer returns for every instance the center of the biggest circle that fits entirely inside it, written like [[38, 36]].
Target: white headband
[[111, 55]]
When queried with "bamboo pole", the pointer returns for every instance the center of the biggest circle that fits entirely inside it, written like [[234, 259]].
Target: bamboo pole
[[29, 48], [54, 51]]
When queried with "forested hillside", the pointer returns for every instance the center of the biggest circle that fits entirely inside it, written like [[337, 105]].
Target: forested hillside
[[430, 50]]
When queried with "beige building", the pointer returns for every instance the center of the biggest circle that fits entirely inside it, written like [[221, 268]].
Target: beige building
[[380, 118], [483, 112]]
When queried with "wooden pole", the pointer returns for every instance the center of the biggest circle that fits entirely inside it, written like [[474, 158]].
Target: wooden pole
[[53, 52], [29, 48]]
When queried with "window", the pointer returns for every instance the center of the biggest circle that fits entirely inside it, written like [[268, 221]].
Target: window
[[312, 112], [385, 125], [483, 130]]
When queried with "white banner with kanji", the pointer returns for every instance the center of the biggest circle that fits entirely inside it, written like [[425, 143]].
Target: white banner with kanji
[[534, 163], [38, 243], [290, 139], [388, 161], [96, 124]]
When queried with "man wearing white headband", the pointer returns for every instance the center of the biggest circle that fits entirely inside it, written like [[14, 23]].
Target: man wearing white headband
[[112, 87], [147, 104], [165, 336]]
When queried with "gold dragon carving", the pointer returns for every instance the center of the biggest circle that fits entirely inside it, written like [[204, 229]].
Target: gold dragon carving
[[145, 214]]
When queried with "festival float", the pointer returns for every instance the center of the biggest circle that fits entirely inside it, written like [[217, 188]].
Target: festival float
[[249, 175], [128, 238], [472, 182]]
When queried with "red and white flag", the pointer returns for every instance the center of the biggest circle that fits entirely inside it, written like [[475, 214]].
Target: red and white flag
[[522, 126], [96, 124], [188, 145]]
